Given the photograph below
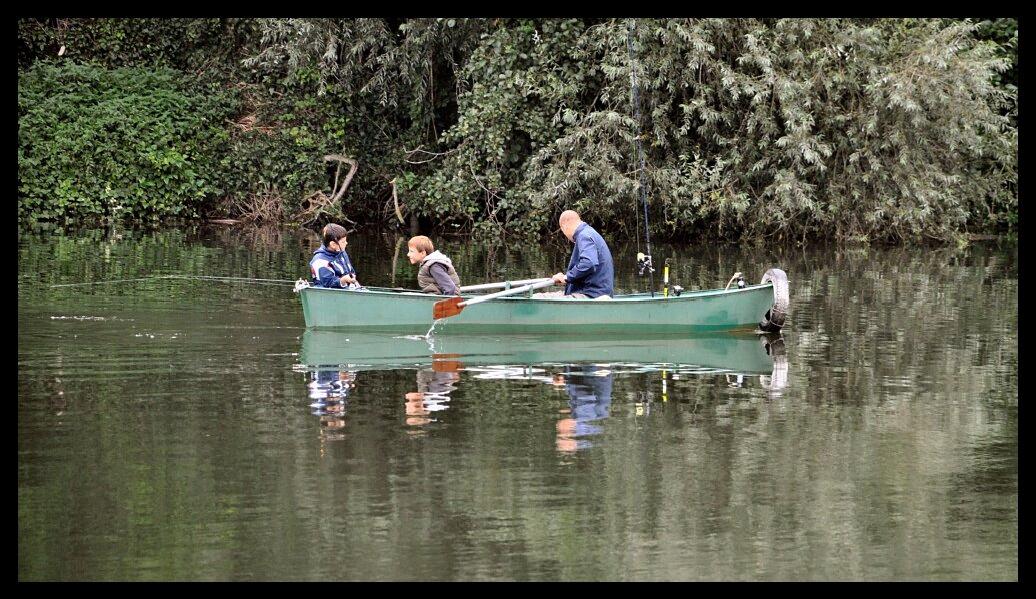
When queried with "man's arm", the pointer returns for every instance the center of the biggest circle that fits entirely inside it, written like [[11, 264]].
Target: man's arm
[[588, 259]]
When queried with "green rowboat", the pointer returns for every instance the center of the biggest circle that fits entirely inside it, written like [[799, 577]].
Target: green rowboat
[[411, 311]]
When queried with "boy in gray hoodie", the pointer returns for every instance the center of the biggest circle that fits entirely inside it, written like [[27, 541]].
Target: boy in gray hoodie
[[436, 274]]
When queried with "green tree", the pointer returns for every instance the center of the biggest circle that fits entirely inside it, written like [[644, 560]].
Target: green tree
[[878, 129]]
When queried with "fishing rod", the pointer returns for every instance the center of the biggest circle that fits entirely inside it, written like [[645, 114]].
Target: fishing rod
[[643, 261], [182, 277]]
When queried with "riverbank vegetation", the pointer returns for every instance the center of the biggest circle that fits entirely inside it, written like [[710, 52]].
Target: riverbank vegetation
[[852, 129]]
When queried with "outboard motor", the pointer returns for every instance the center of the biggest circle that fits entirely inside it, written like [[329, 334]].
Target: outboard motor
[[773, 320]]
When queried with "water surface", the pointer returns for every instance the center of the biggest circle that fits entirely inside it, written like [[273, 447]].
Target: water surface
[[176, 429]]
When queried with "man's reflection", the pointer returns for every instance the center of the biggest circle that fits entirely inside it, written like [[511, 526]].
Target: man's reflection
[[590, 397], [329, 391], [434, 386]]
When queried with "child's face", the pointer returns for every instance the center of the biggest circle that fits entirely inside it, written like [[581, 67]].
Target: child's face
[[414, 255], [338, 246]]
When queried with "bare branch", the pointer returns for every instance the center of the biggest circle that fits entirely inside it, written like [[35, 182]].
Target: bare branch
[[433, 155], [395, 201], [353, 165]]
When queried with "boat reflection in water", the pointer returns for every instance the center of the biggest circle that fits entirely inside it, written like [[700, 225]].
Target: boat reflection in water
[[584, 369]]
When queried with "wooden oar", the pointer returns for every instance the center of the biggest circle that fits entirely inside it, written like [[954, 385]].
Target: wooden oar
[[454, 305], [482, 286]]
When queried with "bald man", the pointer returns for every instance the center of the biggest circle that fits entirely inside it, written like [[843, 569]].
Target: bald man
[[590, 271]]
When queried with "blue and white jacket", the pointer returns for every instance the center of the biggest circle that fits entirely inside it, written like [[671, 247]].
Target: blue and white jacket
[[328, 267]]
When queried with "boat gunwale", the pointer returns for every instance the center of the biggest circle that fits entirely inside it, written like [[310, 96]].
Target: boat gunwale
[[624, 299]]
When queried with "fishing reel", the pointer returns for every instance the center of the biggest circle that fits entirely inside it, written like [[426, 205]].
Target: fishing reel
[[740, 278], [644, 264]]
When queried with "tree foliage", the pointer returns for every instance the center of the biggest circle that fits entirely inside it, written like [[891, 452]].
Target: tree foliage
[[880, 129], [191, 45], [851, 128]]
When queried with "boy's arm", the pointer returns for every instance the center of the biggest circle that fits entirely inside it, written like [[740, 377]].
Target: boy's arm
[[443, 280], [323, 272], [350, 270]]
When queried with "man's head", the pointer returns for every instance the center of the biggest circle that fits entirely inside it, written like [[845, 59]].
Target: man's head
[[418, 248], [569, 222], [335, 234]]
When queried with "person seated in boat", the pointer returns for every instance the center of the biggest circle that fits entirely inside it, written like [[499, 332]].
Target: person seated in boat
[[591, 273], [330, 264], [436, 274]]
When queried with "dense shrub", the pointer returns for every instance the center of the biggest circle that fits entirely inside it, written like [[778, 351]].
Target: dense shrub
[[122, 143]]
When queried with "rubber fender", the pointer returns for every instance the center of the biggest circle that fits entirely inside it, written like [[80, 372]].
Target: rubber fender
[[773, 320], [773, 343]]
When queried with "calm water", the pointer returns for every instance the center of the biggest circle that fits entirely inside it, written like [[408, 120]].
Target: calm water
[[178, 429]]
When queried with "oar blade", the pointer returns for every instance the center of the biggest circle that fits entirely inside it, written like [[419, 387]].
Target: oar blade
[[443, 363], [447, 308]]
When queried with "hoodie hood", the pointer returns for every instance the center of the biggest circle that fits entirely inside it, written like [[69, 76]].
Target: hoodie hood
[[435, 257], [323, 252]]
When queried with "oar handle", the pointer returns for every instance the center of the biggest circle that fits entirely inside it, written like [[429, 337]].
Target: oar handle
[[539, 284]]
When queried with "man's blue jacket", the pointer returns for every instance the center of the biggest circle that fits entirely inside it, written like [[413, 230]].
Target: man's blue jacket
[[590, 271]]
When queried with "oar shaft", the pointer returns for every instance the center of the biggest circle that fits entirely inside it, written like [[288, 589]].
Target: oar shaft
[[482, 286], [513, 291]]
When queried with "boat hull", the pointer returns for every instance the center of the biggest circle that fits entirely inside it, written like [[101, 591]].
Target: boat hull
[[359, 350], [700, 311]]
